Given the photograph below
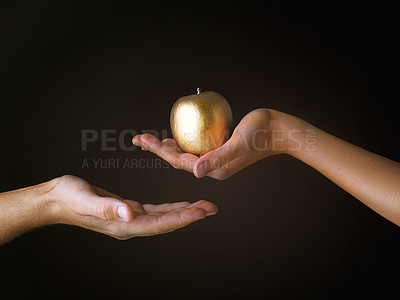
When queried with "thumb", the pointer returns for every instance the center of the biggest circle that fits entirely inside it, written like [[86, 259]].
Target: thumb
[[112, 209], [218, 158]]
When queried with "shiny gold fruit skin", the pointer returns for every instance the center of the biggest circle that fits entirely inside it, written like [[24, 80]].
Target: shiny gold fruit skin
[[201, 122]]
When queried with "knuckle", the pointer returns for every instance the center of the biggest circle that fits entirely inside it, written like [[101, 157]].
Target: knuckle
[[176, 165], [262, 111], [146, 135], [100, 211], [222, 177], [156, 230], [119, 234], [104, 212], [121, 237]]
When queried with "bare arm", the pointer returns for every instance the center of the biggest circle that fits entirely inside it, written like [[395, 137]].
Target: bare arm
[[372, 179], [71, 200], [24, 209]]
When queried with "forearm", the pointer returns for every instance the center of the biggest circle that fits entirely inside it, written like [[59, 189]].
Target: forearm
[[24, 209], [372, 179]]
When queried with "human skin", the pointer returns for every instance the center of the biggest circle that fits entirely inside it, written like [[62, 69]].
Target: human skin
[[371, 178], [72, 200]]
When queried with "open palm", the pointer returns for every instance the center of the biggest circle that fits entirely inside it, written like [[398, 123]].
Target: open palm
[[79, 203]]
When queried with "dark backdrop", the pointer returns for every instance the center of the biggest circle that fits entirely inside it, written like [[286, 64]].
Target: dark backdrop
[[283, 230]]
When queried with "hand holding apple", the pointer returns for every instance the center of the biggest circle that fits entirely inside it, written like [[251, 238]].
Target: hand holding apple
[[259, 134]]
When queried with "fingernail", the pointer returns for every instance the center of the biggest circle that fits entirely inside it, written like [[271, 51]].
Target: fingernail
[[123, 213], [202, 169]]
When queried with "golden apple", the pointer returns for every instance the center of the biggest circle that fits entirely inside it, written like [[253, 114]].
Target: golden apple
[[201, 122]]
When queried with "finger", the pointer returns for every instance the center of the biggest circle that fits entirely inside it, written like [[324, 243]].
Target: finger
[[108, 209], [171, 143], [136, 140], [166, 207], [233, 167], [138, 209], [167, 150], [209, 207], [146, 140], [218, 158], [152, 225]]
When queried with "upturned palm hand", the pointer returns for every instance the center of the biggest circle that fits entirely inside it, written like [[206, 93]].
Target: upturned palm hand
[[79, 203], [252, 140]]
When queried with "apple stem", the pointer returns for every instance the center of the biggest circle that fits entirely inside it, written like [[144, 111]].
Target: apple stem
[[198, 90]]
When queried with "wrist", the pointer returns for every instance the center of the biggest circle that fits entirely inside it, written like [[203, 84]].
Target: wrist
[[25, 209], [46, 202], [291, 135]]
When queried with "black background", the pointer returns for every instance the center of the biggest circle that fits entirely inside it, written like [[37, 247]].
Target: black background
[[283, 230]]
